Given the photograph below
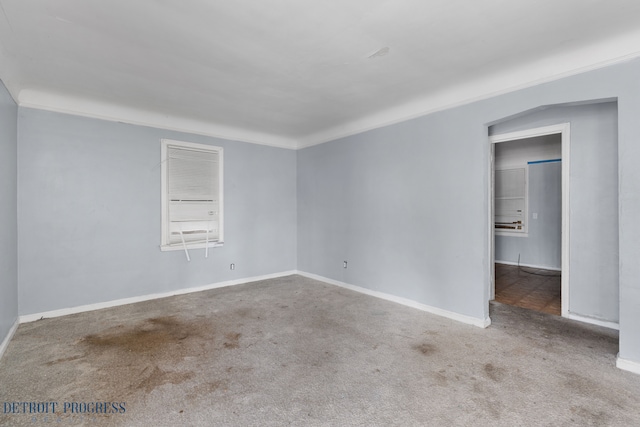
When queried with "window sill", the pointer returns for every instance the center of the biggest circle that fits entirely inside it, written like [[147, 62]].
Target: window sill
[[511, 233], [180, 247]]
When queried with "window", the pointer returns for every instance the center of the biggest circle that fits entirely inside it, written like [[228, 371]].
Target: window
[[511, 201], [192, 196]]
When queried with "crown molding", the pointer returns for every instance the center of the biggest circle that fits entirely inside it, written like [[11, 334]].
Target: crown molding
[[59, 103], [555, 67], [560, 65]]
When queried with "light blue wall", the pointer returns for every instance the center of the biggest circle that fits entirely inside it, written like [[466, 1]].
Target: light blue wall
[[401, 204], [89, 209], [542, 246], [594, 265], [407, 204], [8, 213]]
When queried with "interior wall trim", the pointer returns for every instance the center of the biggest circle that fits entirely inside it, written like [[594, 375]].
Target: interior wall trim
[[606, 53], [475, 321], [66, 104], [114, 303], [7, 339], [628, 365], [606, 323], [542, 267]]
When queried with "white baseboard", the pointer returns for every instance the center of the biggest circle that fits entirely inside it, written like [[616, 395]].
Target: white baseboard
[[7, 339], [586, 319], [114, 303], [628, 365], [528, 265], [482, 323]]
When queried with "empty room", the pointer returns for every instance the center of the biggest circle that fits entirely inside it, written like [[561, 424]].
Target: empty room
[[319, 213]]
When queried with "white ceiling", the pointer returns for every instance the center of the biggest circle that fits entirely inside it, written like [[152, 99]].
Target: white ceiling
[[293, 73]]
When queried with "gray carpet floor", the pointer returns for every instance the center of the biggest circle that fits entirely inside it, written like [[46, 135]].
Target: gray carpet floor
[[294, 351]]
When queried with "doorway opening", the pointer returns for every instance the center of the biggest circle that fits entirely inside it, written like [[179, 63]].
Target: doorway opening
[[531, 288], [529, 191]]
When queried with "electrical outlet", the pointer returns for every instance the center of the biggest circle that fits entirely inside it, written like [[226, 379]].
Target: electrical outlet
[[232, 266], [344, 264]]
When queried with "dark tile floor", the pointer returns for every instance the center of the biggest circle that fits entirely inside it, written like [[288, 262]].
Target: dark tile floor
[[539, 291]]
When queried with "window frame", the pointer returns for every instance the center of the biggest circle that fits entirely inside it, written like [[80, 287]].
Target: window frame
[[525, 215], [165, 244]]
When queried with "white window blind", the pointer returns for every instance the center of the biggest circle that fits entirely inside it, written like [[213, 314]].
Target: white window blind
[[192, 195], [510, 199]]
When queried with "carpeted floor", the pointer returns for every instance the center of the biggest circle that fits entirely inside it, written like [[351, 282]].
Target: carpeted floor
[[294, 351]]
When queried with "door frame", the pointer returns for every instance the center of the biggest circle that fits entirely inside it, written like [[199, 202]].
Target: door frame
[[564, 129]]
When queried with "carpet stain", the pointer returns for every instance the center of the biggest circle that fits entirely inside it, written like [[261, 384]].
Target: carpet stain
[[65, 359], [243, 312], [207, 388], [425, 348], [582, 386], [489, 406], [127, 360], [494, 373], [155, 377], [588, 417], [149, 336], [232, 340], [440, 378], [519, 351]]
